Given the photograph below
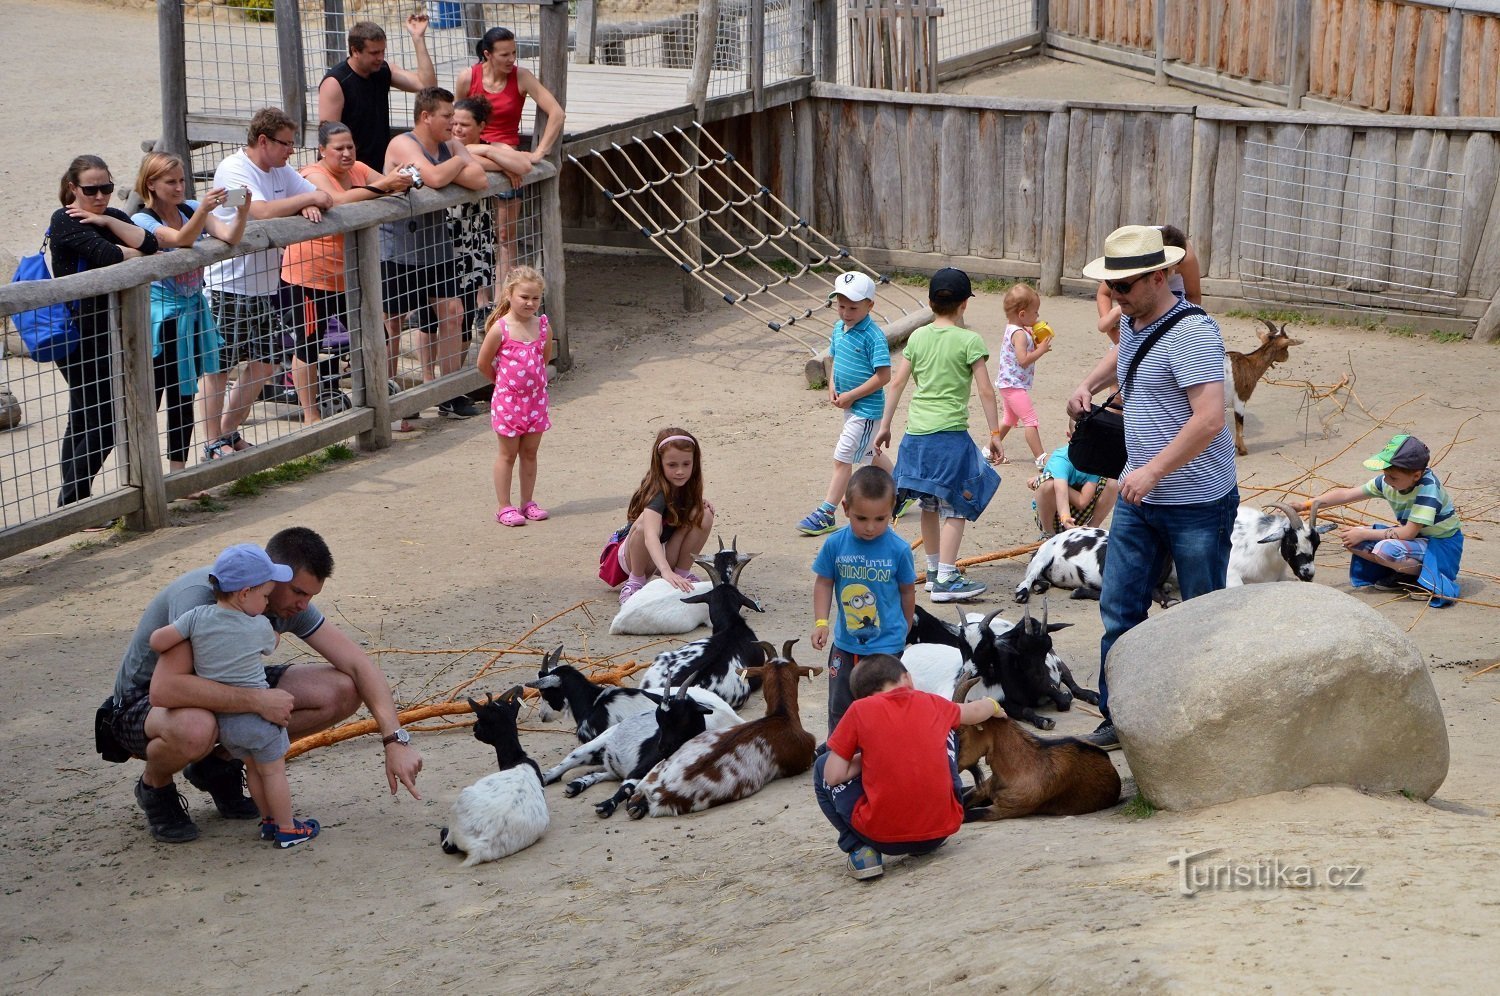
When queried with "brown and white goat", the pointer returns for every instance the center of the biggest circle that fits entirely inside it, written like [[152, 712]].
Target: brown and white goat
[[1032, 776], [721, 766], [1242, 371]]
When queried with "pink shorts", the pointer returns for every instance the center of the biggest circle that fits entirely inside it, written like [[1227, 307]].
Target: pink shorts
[[1018, 410]]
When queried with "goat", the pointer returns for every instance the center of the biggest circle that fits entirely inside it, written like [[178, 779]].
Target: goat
[[1019, 669], [1074, 558], [721, 766], [1032, 776], [1243, 371], [937, 653], [718, 659], [505, 811], [631, 749], [1252, 558], [564, 689]]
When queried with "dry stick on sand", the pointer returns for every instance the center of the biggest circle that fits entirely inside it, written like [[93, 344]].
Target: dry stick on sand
[[985, 558]]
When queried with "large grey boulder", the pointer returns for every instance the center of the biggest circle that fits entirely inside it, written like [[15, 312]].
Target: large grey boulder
[[1272, 687]]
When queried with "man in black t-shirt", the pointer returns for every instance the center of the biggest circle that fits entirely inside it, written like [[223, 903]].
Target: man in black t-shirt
[[357, 90]]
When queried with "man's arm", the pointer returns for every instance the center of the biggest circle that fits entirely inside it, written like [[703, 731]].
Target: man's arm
[[426, 75], [175, 686], [402, 763], [1105, 374], [471, 175], [1207, 401], [330, 100]]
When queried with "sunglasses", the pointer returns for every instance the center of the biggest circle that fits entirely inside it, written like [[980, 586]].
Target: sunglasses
[[95, 189], [1123, 286]]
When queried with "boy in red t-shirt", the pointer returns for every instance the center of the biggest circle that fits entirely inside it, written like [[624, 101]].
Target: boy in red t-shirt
[[889, 782]]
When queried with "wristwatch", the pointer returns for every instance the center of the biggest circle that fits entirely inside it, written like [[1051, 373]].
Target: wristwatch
[[399, 737]]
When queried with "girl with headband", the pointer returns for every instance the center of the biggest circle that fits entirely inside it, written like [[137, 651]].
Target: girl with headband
[[670, 520]]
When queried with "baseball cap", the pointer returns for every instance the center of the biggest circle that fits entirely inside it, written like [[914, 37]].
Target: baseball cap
[[246, 565], [853, 285], [1403, 452], [949, 286]]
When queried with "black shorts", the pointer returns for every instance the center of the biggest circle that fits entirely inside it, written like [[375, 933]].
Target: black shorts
[[405, 288], [130, 720], [315, 308]]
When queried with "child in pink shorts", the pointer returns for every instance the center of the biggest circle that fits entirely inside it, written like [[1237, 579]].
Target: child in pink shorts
[[1014, 369]]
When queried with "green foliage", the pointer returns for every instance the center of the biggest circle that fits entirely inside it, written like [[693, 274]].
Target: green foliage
[[1139, 808], [255, 10], [787, 267], [290, 472]]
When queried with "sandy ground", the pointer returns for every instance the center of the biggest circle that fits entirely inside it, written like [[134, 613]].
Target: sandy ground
[[752, 897]]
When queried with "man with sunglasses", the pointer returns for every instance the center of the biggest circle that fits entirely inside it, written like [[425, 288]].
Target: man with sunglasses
[[243, 289], [1178, 491]]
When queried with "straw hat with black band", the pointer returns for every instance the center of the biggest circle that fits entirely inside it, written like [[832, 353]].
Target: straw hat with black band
[[1131, 251]]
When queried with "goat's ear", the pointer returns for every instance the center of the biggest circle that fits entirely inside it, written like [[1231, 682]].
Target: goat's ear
[[808, 672], [1272, 539], [550, 681], [701, 707], [1054, 627], [654, 697], [756, 673], [697, 599], [750, 603]]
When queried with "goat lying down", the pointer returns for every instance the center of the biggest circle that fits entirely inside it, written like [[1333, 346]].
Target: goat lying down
[[1032, 776], [505, 811], [1074, 558], [563, 691], [720, 766]]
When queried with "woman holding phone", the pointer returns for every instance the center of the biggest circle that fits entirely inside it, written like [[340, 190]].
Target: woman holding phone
[[185, 340]]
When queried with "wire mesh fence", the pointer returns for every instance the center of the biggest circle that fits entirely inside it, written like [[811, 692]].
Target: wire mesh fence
[[1325, 227]]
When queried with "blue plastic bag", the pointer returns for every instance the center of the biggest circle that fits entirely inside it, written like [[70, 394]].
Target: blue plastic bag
[[50, 332]]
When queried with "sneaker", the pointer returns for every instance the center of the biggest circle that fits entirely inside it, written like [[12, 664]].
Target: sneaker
[[1104, 736], [865, 862], [166, 813], [957, 589], [820, 750], [301, 832], [267, 828], [905, 507], [1387, 584], [817, 523], [629, 588], [459, 407], [224, 780], [931, 580]]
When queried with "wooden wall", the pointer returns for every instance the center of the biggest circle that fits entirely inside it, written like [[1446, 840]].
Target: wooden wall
[[1129, 24], [1385, 55], [1244, 40]]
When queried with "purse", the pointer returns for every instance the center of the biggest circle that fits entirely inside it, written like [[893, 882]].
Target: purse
[[610, 571], [1098, 443], [105, 743], [50, 332]]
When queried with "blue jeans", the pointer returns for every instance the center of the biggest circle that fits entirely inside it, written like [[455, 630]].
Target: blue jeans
[[838, 801], [1141, 537]]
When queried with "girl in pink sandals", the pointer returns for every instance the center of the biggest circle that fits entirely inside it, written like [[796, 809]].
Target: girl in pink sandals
[[517, 346]]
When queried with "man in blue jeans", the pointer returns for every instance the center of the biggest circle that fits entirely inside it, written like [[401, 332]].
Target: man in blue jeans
[[1178, 493]]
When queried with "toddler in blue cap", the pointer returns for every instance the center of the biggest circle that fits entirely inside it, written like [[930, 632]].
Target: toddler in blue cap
[[229, 640]]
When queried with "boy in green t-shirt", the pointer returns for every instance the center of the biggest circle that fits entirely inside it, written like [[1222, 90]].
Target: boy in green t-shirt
[[938, 463]]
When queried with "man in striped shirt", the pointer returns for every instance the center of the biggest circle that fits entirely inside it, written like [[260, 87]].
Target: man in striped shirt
[[1178, 493]]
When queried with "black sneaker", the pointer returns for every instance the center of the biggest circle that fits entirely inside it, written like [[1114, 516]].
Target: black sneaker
[[459, 407], [224, 780], [1103, 737], [166, 813]]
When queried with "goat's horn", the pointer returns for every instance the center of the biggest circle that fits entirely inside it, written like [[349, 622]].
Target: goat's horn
[[963, 620], [1291, 513], [1270, 326], [985, 624], [1312, 515], [1044, 612], [786, 648], [734, 544], [768, 650], [721, 543]]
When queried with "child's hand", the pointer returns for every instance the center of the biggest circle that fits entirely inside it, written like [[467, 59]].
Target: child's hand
[[679, 582], [1352, 536], [997, 451], [839, 401], [1067, 520], [882, 438], [819, 637]]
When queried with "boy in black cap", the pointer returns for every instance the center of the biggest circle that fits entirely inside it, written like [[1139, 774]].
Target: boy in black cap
[[938, 463], [1427, 541]]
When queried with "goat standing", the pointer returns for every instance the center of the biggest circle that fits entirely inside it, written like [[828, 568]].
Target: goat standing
[[1243, 371], [505, 811], [1252, 558]]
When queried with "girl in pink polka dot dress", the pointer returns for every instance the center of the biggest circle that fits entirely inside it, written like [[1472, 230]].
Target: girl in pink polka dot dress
[[517, 345]]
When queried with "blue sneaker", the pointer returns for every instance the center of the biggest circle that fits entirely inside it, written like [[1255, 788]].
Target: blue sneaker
[[957, 589], [865, 862], [817, 523], [302, 831], [267, 828]]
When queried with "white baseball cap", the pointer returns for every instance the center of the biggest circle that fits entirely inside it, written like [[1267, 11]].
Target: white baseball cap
[[854, 286]]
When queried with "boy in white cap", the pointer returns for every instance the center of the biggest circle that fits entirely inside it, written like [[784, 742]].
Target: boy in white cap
[[1427, 541], [861, 369], [229, 638]]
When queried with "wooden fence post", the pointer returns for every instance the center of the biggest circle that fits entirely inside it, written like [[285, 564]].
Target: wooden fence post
[[172, 41], [1054, 203], [1161, 42], [756, 11], [552, 70], [826, 63], [293, 71], [697, 95], [1043, 15], [584, 33], [134, 384], [1453, 57], [1298, 55], [372, 369]]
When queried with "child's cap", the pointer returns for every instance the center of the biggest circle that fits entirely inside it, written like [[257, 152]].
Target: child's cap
[[1403, 452], [949, 286], [246, 565], [853, 285]]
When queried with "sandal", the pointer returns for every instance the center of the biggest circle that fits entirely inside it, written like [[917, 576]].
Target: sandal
[[533, 511], [217, 448], [237, 442], [510, 516]]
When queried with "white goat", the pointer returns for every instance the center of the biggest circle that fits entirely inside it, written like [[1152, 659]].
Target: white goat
[[1264, 545], [1074, 558], [506, 811]]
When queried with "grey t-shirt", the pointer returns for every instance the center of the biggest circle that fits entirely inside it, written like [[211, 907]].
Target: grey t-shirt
[[422, 240], [228, 646], [189, 591]]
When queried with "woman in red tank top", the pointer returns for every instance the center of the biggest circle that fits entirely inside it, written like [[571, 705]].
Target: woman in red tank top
[[505, 86]]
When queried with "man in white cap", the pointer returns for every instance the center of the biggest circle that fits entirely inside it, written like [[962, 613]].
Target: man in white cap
[[1178, 493]]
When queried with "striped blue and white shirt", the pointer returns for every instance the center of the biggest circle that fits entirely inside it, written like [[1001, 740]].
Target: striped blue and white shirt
[[1157, 406]]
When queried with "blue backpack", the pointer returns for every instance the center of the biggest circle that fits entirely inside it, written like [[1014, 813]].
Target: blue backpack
[[50, 332]]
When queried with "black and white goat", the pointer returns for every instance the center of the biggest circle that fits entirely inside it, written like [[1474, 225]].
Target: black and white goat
[[631, 749], [563, 690], [1253, 559], [1019, 669], [937, 653], [505, 811], [1074, 558], [718, 660], [721, 766]]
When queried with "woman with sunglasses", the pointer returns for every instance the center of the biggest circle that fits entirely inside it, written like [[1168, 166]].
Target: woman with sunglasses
[[86, 233]]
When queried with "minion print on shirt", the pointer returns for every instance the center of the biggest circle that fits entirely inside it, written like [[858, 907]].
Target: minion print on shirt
[[860, 610]]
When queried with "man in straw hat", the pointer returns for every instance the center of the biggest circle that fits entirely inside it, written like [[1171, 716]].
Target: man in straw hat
[[1178, 493]]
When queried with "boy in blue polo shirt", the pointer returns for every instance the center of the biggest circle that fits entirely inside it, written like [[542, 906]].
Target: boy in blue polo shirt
[[868, 567], [861, 369], [1427, 541]]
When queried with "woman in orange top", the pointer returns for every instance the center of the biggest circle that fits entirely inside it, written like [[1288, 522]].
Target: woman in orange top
[[316, 267]]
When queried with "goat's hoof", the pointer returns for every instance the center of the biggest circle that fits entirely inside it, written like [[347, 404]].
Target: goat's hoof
[[1043, 723], [605, 809], [1022, 596], [635, 810], [1092, 698], [1063, 703], [572, 789]]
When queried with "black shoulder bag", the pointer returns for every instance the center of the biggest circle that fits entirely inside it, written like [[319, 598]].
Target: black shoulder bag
[[1098, 443]]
